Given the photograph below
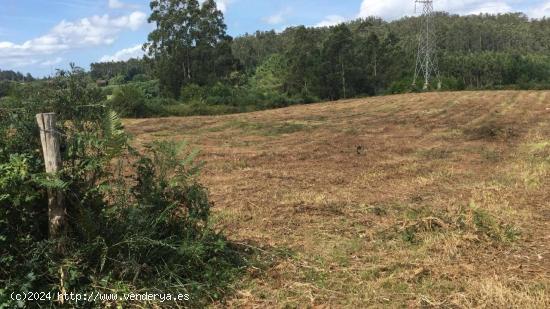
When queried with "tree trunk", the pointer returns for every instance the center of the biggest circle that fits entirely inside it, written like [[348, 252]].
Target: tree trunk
[[375, 64], [343, 76]]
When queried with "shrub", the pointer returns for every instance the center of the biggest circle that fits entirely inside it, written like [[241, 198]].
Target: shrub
[[401, 86], [192, 92], [117, 80], [149, 88], [140, 78], [138, 221], [108, 90], [220, 94], [5, 88], [129, 101]]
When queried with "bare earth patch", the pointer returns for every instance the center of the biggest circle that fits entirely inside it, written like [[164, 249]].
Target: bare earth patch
[[422, 200]]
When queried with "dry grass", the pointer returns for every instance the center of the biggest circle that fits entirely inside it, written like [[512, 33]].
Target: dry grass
[[445, 204]]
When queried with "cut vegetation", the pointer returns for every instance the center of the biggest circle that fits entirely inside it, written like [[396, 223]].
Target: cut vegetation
[[423, 200]]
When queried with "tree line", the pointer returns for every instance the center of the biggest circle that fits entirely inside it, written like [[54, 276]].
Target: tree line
[[10, 75], [193, 59]]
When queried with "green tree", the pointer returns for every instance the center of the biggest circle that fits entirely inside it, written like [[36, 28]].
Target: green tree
[[187, 43], [337, 60], [270, 76], [302, 56], [129, 101]]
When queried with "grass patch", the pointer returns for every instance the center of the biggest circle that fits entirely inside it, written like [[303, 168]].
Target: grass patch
[[488, 225], [420, 223], [395, 286], [264, 129], [436, 153]]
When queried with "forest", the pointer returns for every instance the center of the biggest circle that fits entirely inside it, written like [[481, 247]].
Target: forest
[[364, 57], [199, 69]]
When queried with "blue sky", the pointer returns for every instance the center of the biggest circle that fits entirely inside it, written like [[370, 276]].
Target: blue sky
[[39, 36]]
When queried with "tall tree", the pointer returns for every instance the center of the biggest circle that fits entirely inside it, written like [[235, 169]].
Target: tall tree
[[337, 60], [302, 55], [187, 40]]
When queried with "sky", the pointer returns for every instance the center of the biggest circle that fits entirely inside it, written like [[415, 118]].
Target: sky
[[40, 36]]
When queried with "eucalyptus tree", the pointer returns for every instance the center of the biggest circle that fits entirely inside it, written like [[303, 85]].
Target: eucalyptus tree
[[188, 39]]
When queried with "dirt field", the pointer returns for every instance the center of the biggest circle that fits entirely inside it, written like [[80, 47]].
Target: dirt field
[[424, 200]]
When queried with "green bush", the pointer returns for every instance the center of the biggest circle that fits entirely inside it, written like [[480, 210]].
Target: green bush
[[138, 221], [452, 84], [149, 88], [401, 86], [108, 90], [129, 101], [141, 78], [5, 88], [117, 80], [192, 92], [221, 94], [143, 100]]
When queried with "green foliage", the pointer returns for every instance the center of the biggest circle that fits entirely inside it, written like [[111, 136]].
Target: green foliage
[[129, 101], [149, 88], [220, 94], [131, 70], [117, 80], [336, 62], [141, 78], [270, 76], [192, 93], [489, 226], [138, 221], [14, 76], [189, 44], [17, 180], [5, 88], [401, 86], [208, 72], [370, 56]]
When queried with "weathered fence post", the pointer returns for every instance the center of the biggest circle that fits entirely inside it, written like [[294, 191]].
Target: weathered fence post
[[52, 159]]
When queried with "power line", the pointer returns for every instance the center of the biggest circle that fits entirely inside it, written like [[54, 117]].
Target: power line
[[426, 59]]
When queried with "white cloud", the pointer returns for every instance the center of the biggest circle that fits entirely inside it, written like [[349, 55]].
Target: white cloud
[[331, 20], [389, 9], [124, 54], [277, 18], [51, 62], [540, 11], [467, 7], [117, 4], [393, 9], [67, 35], [222, 5]]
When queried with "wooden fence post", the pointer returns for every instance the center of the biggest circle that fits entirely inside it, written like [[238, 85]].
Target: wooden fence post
[[52, 159]]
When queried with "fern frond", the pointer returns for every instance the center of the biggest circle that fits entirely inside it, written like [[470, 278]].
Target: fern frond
[[50, 181], [113, 129]]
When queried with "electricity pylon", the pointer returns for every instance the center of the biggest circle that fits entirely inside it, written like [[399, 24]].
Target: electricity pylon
[[426, 59]]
